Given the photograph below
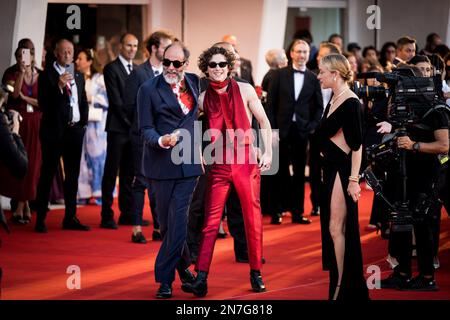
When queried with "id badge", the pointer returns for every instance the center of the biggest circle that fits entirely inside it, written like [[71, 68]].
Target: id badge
[[30, 108]]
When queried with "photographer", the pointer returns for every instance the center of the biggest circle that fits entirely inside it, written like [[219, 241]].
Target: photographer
[[13, 155], [425, 140]]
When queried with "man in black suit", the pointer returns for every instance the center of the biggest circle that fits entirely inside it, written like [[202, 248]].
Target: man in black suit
[[294, 103], [167, 109], [406, 50], [118, 124], [156, 44], [62, 98], [243, 68]]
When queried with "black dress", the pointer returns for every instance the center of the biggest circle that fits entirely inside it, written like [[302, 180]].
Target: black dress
[[347, 116]]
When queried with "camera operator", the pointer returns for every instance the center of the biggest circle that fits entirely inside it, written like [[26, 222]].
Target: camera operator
[[13, 154], [423, 143]]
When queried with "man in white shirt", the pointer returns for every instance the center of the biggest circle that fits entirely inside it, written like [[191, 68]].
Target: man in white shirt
[[294, 106], [62, 99]]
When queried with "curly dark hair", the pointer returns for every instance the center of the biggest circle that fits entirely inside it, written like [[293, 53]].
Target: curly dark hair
[[206, 56]]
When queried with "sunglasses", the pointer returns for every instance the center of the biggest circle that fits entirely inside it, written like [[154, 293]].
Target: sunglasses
[[176, 63], [222, 64]]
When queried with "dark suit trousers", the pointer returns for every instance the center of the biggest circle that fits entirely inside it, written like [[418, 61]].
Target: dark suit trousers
[[172, 206], [140, 184], [314, 170], [293, 151], [118, 158], [70, 150]]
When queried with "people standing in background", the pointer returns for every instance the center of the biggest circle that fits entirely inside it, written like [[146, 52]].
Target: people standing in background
[[62, 98], [118, 150], [406, 50], [94, 145], [295, 107], [23, 76], [244, 69], [387, 55], [270, 204], [337, 40], [156, 44]]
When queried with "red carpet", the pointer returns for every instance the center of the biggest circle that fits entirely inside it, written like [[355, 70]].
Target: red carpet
[[34, 265]]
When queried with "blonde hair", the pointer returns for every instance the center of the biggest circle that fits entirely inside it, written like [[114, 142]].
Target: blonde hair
[[339, 63]]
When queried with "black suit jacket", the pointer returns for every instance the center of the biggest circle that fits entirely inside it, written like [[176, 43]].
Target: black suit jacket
[[160, 113], [281, 103], [137, 77], [55, 105], [247, 71], [115, 77]]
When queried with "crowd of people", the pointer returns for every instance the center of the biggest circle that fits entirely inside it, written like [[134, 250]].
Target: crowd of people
[[107, 117]]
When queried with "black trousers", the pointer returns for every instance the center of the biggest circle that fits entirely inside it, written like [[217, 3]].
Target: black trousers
[[139, 185], [197, 218], [118, 158], [293, 151], [69, 148], [314, 170]]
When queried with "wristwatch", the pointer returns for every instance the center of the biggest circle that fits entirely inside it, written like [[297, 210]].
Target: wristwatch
[[416, 147]]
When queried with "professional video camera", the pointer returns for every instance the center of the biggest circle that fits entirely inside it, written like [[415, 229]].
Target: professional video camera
[[411, 98], [5, 90]]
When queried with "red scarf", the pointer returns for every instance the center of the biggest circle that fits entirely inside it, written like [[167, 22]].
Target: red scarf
[[230, 105]]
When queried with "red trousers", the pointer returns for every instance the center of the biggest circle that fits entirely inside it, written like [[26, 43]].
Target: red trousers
[[246, 179]]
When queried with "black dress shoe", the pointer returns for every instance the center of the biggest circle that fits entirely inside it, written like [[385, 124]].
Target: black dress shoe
[[138, 238], [186, 276], [164, 291], [156, 236], [199, 287], [74, 224], [40, 227], [245, 260], [315, 212], [109, 224], [300, 220], [276, 219], [256, 281]]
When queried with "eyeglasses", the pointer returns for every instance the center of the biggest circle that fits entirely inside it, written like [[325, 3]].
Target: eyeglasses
[[176, 63], [221, 64]]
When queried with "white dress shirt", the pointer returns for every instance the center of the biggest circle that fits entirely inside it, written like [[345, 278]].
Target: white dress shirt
[[126, 64], [299, 79], [157, 70], [73, 97]]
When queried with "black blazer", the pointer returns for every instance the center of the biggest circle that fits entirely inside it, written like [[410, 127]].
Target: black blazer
[[115, 77], [247, 71], [281, 103], [55, 105], [137, 77], [160, 113]]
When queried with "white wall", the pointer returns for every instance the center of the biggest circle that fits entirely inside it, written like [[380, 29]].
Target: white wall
[[30, 23], [415, 18]]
